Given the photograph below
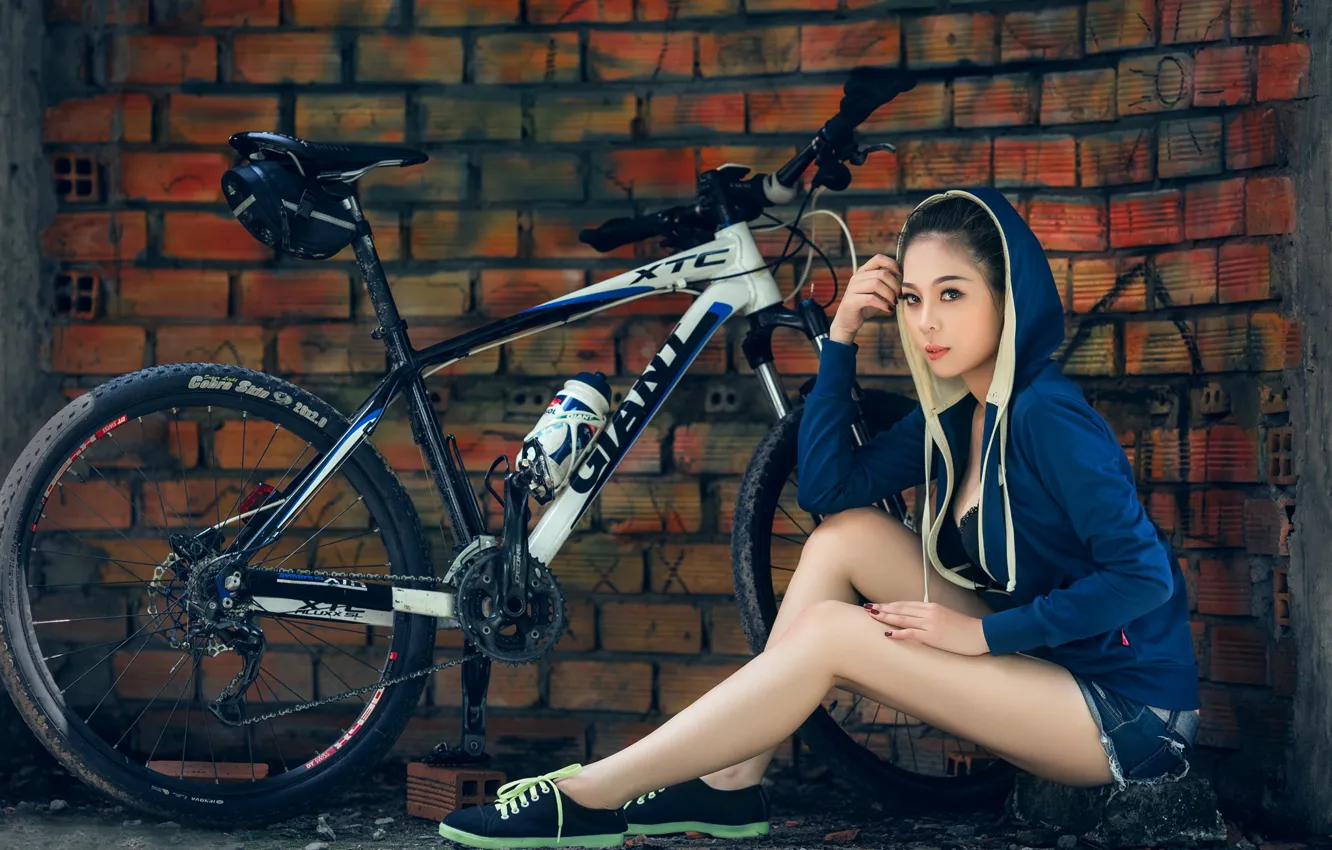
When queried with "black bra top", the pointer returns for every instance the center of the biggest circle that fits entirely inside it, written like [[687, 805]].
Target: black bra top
[[959, 546]]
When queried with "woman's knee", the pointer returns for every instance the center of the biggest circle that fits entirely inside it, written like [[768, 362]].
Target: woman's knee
[[825, 622]]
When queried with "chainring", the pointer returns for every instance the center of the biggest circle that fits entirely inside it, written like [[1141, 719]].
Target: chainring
[[509, 640]]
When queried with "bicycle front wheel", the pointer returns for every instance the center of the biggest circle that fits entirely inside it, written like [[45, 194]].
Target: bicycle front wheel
[[898, 760], [100, 645]]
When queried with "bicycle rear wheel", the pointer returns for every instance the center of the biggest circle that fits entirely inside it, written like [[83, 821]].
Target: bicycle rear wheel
[[898, 760], [94, 626]]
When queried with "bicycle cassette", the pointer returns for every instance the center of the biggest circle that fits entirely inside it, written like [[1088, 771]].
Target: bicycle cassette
[[498, 635]]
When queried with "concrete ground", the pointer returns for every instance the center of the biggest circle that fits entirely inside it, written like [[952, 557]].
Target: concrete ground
[[45, 809]]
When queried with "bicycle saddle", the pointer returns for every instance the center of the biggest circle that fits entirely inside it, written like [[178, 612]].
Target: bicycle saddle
[[324, 156]]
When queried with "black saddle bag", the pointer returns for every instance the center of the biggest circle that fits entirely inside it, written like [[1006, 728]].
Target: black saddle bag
[[287, 211]]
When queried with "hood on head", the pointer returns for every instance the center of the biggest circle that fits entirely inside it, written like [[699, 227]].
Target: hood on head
[[1033, 330]]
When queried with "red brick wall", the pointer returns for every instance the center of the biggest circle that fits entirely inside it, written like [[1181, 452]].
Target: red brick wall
[[1143, 141]]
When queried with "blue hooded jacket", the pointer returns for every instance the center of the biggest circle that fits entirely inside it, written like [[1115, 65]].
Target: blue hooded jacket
[[1088, 580]]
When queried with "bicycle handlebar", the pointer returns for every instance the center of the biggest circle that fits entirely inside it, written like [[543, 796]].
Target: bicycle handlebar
[[865, 90]]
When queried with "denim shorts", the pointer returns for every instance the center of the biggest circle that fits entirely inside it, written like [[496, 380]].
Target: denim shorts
[[1145, 745]]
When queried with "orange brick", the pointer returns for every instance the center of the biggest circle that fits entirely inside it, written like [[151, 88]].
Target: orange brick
[[771, 50], [508, 687], [715, 448], [209, 236], [211, 120], [1157, 83], [442, 178], [1184, 21], [682, 684], [96, 505], [97, 349], [833, 47], [621, 55], [329, 349], [924, 107], [1283, 71], [555, 232], [641, 339], [504, 292], [1189, 148], [242, 345], [1005, 101], [1224, 587], [1223, 76], [1069, 224], [1046, 34], [289, 57], [945, 163], [1078, 96], [691, 568], [1214, 209], [346, 13], [598, 563], [186, 293], [601, 685], [570, 11], [1244, 272], [1187, 277], [526, 58], [295, 295], [689, 114], [1269, 206], [1156, 348], [646, 173], [671, 10], [1117, 285], [1224, 343], [351, 118], [553, 352], [1035, 161], [1251, 139], [584, 118], [388, 57], [938, 41], [1120, 25], [447, 234], [163, 59], [645, 627], [760, 6], [1238, 655], [452, 13], [164, 176], [1277, 342], [119, 236], [1250, 18], [765, 159], [650, 506], [877, 226], [1114, 158], [103, 118], [1146, 218], [232, 13], [471, 115], [531, 177]]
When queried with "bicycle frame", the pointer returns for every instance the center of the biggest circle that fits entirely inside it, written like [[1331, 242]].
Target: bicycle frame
[[738, 281]]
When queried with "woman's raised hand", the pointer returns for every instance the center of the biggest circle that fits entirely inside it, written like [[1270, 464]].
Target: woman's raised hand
[[872, 290]]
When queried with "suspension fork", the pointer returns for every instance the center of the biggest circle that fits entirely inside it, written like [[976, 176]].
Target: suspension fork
[[811, 319]]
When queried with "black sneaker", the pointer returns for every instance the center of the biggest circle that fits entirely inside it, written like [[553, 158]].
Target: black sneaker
[[533, 813], [695, 806]]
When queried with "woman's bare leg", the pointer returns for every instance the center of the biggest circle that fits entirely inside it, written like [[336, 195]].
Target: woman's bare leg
[[1026, 710], [863, 550]]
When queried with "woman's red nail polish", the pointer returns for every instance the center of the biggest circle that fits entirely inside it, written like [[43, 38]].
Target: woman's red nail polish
[[887, 634], [867, 606]]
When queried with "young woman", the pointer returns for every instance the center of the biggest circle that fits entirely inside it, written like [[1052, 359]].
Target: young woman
[[1058, 638]]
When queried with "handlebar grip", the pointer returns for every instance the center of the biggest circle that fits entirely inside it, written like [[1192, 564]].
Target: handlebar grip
[[620, 231], [866, 89]]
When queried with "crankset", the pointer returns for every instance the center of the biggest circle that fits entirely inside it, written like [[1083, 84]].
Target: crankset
[[490, 623]]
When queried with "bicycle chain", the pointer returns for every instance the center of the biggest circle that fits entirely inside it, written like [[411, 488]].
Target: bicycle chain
[[382, 683]]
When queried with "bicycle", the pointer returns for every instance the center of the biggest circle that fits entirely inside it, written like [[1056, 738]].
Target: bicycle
[[211, 595]]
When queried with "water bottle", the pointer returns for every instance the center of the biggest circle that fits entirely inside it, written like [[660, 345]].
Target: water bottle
[[553, 449]]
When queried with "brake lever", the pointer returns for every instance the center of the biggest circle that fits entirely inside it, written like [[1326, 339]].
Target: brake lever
[[861, 154]]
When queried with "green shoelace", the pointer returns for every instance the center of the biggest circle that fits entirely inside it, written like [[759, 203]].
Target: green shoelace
[[514, 794]]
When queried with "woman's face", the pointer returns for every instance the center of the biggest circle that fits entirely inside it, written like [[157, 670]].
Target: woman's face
[[947, 304]]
